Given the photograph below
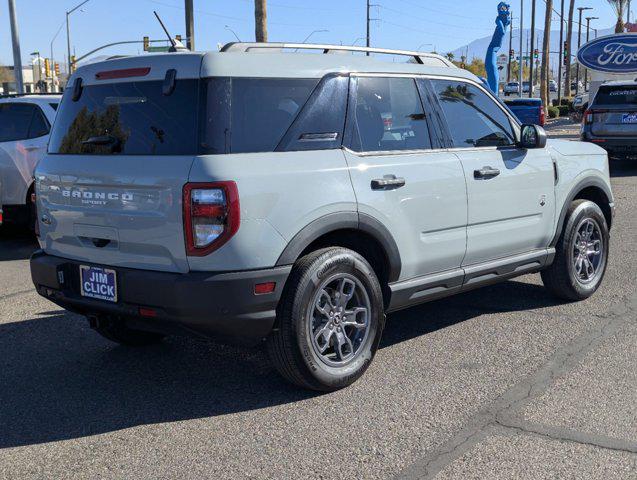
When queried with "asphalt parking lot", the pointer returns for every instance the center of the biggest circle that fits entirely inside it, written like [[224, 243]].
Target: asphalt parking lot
[[503, 382]]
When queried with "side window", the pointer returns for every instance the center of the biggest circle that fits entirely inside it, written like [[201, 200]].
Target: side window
[[472, 116], [388, 116], [15, 120], [39, 125], [320, 124]]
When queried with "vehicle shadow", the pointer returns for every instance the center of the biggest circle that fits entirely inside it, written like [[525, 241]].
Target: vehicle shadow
[[16, 243], [62, 381]]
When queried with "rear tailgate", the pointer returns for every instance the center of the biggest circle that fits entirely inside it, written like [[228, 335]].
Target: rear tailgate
[[109, 191], [614, 123], [614, 111]]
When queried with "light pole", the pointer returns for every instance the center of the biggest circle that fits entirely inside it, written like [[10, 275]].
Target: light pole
[[579, 45], [68, 35], [312, 33], [234, 33], [15, 40], [53, 40], [560, 59], [588, 37], [531, 82]]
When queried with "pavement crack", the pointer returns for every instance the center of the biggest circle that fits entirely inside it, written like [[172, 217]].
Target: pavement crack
[[499, 414], [16, 294]]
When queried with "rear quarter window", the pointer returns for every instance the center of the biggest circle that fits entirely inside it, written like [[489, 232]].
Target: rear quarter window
[[246, 115]]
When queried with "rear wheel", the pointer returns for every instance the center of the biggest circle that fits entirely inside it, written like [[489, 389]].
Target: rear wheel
[[581, 253], [329, 322], [116, 331]]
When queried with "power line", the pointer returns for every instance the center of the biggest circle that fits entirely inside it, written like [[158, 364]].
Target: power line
[[433, 22], [435, 11]]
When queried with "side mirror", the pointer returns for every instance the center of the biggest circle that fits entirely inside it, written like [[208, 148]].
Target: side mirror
[[533, 136]]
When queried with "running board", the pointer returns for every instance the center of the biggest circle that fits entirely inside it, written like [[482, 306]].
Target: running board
[[432, 287]]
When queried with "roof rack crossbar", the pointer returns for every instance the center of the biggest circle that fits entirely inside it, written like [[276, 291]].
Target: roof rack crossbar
[[245, 47]]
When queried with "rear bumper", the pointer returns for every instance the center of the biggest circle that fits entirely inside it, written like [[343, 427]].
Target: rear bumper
[[218, 305], [616, 147]]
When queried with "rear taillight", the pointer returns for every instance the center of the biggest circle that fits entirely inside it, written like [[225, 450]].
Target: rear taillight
[[542, 116], [588, 117], [211, 216]]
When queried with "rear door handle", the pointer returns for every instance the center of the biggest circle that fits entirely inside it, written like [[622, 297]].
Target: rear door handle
[[388, 182], [485, 173]]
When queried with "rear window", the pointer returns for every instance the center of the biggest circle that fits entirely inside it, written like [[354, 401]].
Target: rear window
[[130, 118], [616, 96], [246, 115]]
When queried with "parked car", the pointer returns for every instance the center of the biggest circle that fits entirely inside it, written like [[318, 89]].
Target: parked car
[[526, 87], [528, 110], [611, 120], [552, 86], [511, 88], [256, 195], [25, 122]]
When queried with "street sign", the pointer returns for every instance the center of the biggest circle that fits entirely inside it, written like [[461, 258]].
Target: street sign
[[158, 49]]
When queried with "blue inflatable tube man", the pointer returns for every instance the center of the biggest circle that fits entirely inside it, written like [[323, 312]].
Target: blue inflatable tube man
[[502, 23]]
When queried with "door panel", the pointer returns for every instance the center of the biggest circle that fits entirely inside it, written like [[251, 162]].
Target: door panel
[[419, 194], [513, 211]]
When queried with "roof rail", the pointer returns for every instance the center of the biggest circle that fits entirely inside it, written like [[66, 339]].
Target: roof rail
[[245, 47], [18, 95]]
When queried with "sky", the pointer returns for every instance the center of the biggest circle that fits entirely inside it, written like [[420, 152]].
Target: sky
[[402, 24]]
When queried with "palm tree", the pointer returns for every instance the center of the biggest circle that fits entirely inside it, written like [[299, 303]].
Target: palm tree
[[546, 55], [450, 56], [569, 39], [620, 7]]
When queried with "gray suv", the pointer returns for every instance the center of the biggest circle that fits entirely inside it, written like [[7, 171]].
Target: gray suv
[[266, 194], [611, 120]]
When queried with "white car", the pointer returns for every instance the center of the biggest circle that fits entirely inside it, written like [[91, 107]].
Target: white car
[[25, 123], [511, 88]]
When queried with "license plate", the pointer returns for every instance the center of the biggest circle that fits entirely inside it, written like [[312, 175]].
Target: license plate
[[100, 283], [629, 118]]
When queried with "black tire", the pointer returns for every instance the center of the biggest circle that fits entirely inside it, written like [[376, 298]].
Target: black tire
[[561, 278], [292, 344], [117, 331]]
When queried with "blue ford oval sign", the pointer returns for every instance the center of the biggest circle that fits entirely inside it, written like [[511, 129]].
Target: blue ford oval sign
[[613, 54]]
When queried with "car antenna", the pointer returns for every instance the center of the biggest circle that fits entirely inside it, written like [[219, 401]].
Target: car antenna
[[176, 45]]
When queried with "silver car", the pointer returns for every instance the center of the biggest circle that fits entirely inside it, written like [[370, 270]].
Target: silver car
[[266, 194]]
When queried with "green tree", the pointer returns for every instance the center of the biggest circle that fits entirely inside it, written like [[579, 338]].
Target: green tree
[[450, 56]]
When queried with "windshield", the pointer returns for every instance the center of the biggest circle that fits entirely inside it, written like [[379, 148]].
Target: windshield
[[132, 118]]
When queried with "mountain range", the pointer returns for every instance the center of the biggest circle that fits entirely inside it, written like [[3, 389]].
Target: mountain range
[[478, 48]]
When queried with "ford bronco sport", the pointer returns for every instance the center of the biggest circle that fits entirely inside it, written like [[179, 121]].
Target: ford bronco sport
[[263, 194]]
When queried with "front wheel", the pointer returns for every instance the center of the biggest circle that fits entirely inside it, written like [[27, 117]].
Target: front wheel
[[581, 253], [329, 321]]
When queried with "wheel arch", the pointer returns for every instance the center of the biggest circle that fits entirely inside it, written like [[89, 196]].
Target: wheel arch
[[593, 189], [359, 232]]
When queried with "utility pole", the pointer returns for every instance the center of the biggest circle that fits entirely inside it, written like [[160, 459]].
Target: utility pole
[[579, 45], [190, 26], [17, 59], [510, 49], [560, 57], [368, 42], [545, 75], [521, 61], [531, 82], [261, 20]]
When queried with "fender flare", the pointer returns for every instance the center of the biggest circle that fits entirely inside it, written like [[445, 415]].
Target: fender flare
[[585, 183], [344, 221]]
